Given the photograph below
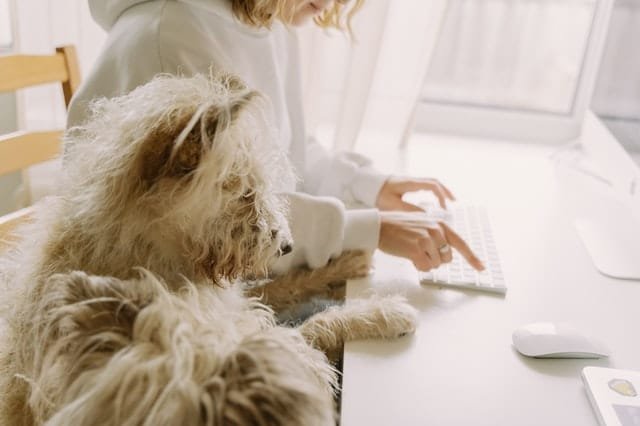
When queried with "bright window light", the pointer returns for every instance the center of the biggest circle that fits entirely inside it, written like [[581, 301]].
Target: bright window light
[[524, 54]]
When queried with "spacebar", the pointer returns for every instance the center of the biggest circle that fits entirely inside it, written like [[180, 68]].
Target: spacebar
[[491, 289]]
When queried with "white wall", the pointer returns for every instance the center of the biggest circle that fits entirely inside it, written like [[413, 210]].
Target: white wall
[[373, 80], [8, 119]]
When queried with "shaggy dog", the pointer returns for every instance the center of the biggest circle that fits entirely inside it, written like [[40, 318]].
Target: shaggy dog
[[178, 177]]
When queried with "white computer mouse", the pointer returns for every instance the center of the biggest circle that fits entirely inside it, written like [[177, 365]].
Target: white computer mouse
[[556, 340]]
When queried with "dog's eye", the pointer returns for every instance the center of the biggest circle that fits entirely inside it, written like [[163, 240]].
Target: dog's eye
[[274, 234]]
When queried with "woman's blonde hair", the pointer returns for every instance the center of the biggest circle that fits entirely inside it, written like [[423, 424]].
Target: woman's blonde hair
[[262, 13]]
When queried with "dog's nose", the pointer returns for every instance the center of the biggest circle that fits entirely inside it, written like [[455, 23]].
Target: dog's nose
[[285, 248]]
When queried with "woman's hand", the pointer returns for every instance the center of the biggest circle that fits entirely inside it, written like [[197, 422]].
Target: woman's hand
[[390, 195], [425, 242]]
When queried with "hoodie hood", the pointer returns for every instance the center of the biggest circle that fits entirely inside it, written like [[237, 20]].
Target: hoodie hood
[[107, 12]]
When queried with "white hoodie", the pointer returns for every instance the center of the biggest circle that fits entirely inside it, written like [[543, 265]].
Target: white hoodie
[[147, 37]]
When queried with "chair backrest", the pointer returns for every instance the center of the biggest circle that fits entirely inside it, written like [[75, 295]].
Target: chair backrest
[[19, 150], [9, 222]]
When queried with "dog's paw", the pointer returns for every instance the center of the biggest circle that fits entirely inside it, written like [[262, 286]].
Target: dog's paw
[[274, 378], [393, 316], [373, 318]]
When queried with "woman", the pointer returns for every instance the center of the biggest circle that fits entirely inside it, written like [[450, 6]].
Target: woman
[[255, 39]]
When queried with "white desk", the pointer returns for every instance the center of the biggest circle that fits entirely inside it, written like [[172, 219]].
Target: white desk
[[460, 367]]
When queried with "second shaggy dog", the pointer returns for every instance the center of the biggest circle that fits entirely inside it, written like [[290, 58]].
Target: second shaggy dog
[[130, 352]]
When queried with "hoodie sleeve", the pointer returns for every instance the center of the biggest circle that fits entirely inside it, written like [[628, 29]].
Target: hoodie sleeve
[[321, 228], [344, 175]]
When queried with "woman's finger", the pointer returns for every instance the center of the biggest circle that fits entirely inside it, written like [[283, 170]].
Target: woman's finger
[[447, 191], [432, 185], [441, 188], [422, 262], [461, 246], [428, 245], [408, 207], [441, 243], [439, 193]]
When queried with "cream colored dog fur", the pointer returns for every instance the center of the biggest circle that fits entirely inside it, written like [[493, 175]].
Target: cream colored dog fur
[[178, 178]]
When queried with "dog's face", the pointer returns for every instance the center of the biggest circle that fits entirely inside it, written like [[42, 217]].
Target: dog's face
[[189, 169]]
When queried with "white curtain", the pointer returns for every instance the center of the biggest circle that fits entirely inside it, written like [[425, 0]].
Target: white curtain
[[5, 25], [373, 81]]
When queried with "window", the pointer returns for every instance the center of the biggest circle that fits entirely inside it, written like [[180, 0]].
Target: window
[[513, 65]]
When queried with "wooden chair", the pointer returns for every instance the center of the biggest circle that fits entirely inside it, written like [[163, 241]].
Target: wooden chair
[[19, 150]]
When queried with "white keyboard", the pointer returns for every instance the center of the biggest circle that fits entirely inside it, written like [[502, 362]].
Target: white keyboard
[[472, 224]]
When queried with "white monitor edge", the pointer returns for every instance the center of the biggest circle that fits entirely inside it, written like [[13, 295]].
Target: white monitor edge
[[604, 149], [611, 232]]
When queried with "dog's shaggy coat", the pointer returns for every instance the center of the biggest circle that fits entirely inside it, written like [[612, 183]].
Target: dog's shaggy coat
[[178, 177]]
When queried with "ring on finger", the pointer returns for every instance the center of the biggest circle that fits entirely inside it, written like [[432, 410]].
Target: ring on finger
[[444, 249]]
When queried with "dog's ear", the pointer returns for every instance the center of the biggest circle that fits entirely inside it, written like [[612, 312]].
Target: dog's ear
[[94, 302], [81, 323], [175, 150], [199, 134], [162, 158]]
